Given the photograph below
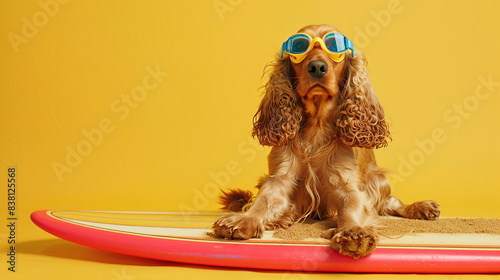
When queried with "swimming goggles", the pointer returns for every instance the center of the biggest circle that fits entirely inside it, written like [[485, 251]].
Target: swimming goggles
[[334, 44]]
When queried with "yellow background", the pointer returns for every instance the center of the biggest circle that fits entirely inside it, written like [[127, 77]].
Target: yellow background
[[189, 133]]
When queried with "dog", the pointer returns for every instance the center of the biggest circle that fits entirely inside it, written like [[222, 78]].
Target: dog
[[323, 120]]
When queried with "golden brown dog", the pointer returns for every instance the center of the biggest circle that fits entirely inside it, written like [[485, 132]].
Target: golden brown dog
[[323, 120]]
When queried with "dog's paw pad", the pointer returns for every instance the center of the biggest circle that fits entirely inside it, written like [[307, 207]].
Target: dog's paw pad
[[355, 242]]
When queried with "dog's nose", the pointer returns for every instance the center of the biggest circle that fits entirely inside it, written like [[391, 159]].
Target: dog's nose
[[317, 68]]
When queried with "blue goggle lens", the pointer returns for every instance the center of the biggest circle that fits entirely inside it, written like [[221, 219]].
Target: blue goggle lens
[[335, 42], [300, 44]]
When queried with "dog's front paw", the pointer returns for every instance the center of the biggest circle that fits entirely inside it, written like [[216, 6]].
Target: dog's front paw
[[424, 210], [355, 242], [238, 226]]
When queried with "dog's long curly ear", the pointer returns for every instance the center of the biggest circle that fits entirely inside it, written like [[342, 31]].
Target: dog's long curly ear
[[278, 118], [360, 119]]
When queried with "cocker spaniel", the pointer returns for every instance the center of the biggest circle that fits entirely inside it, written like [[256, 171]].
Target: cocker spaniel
[[323, 120]]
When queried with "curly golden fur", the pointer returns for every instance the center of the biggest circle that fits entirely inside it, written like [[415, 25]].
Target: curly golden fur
[[279, 115], [322, 129], [360, 119]]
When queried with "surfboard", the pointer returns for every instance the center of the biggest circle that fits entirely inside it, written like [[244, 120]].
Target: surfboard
[[183, 237]]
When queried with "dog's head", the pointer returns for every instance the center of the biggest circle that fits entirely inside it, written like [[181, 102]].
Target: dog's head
[[320, 83], [317, 77]]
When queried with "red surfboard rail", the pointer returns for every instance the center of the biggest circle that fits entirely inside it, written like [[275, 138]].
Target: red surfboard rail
[[284, 256]]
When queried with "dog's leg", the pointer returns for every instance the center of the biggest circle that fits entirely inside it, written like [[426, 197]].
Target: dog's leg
[[356, 232], [424, 210], [271, 206], [379, 192]]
